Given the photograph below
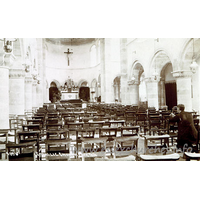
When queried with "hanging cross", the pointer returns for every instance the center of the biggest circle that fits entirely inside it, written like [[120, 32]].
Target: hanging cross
[[68, 53]]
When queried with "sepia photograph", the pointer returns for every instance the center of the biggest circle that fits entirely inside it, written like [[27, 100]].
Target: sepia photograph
[[100, 99], [94, 83]]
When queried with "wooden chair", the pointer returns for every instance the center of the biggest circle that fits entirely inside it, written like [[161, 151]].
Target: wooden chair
[[96, 151], [16, 123], [56, 126], [97, 124], [53, 120], [120, 114], [81, 132], [172, 131], [58, 149], [57, 134], [36, 121], [109, 132], [165, 115], [117, 123], [141, 119], [130, 117], [129, 131], [30, 136], [156, 143], [196, 145], [125, 146], [7, 136], [155, 125], [73, 124], [21, 152]]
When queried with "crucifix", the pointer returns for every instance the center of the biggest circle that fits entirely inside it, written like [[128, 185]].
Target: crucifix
[[68, 54]]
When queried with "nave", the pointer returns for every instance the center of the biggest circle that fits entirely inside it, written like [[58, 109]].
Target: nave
[[99, 132], [109, 96]]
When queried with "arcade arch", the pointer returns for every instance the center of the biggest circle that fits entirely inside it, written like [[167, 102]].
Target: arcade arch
[[137, 85]]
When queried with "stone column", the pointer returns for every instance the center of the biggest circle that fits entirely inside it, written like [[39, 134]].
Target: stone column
[[39, 89], [39, 94], [162, 99], [107, 94], [103, 78], [4, 96], [134, 93], [28, 93], [34, 94], [152, 92], [184, 92], [47, 94], [115, 91], [16, 96], [123, 64], [45, 85]]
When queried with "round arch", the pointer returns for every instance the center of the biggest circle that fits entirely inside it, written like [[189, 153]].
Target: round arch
[[94, 82], [82, 81], [189, 51], [136, 71], [185, 46], [56, 82], [160, 58], [137, 85], [94, 90], [134, 66]]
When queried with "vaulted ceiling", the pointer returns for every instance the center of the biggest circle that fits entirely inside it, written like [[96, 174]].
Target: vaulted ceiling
[[69, 41]]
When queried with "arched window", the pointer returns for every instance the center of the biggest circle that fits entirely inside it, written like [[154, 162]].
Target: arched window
[[93, 58]]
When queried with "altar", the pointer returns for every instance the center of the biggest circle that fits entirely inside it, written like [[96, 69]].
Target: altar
[[69, 95]]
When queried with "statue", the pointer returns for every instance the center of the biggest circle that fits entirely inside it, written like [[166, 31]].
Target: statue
[[8, 44]]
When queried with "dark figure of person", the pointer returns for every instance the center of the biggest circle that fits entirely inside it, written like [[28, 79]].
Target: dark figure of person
[[187, 133]]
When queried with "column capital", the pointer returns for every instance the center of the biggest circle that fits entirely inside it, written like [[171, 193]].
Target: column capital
[[16, 73], [28, 79], [162, 79], [152, 79], [34, 82], [4, 67], [182, 74], [131, 82]]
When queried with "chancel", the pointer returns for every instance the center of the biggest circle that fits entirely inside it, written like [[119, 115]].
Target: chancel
[[118, 100]]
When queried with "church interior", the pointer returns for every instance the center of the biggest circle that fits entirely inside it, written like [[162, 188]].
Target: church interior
[[96, 99]]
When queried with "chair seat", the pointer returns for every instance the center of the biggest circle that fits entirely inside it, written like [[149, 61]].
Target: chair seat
[[169, 157], [57, 150], [126, 158], [126, 148], [93, 150], [58, 158], [22, 157], [173, 134], [194, 156]]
